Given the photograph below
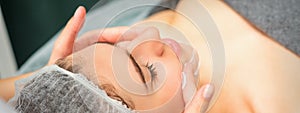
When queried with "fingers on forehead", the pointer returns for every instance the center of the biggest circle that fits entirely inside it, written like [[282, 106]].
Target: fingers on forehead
[[112, 35], [116, 34]]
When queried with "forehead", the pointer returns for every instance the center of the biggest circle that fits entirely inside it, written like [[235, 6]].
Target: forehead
[[109, 60], [94, 61]]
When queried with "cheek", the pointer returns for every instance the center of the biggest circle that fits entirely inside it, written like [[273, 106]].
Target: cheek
[[168, 69], [173, 78], [171, 84], [173, 69]]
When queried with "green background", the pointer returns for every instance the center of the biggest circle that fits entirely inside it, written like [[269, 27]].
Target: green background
[[31, 23]]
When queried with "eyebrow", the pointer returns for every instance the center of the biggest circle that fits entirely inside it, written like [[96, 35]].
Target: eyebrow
[[139, 70], [103, 43]]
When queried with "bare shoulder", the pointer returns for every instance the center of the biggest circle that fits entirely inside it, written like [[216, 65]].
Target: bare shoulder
[[266, 74]]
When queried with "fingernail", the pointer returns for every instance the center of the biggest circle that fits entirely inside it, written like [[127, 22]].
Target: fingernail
[[208, 91], [183, 80], [77, 11]]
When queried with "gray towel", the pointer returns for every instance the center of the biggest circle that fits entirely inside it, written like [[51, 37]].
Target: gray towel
[[280, 19]]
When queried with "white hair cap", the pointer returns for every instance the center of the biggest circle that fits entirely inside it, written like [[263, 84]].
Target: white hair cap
[[54, 89]]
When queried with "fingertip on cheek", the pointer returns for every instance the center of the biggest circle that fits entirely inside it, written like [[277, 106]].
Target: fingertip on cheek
[[204, 96], [206, 92]]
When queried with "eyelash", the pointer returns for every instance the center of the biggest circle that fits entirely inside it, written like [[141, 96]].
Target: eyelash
[[152, 70]]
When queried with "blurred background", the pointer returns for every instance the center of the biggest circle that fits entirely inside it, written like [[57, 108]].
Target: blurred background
[[28, 24]]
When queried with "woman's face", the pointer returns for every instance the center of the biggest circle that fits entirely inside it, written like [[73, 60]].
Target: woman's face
[[145, 70]]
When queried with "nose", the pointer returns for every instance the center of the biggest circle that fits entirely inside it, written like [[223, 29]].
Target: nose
[[148, 41]]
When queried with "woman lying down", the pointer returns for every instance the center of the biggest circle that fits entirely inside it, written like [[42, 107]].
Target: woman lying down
[[145, 72], [147, 78]]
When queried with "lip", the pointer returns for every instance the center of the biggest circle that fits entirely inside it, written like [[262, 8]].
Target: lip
[[185, 53], [175, 46]]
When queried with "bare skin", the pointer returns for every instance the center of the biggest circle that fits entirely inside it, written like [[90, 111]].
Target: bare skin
[[261, 75]]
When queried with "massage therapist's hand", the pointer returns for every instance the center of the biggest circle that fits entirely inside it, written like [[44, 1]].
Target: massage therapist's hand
[[65, 43], [63, 46], [108, 35], [200, 102], [202, 97]]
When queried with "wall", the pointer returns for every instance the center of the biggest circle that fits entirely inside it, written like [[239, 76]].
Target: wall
[[30, 23], [7, 59]]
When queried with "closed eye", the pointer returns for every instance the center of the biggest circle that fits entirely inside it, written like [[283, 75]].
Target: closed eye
[[138, 68]]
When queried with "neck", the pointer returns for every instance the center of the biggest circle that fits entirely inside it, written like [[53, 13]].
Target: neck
[[211, 26]]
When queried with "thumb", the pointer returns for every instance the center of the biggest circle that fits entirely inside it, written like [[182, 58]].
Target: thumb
[[188, 83], [201, 100], [64, 44]]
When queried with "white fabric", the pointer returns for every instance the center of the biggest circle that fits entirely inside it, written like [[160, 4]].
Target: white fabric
[[54, 89]]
